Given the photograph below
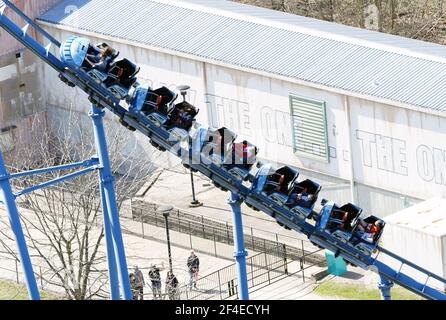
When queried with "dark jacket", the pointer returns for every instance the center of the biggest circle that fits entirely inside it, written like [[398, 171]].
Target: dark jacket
[[154, 275], [171, 282], [193, 263]]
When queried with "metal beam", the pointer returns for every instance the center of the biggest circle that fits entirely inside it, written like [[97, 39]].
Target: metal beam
[[239, 245], [55, 181], [108, 195], [14, 220], [31, 22], [86, 163]]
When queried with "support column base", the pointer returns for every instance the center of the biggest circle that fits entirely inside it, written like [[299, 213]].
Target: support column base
[[195, 204], [384, 286]]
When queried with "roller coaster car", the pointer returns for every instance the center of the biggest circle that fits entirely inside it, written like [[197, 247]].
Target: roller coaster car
[[241, 159], [182, 116], [367, 245], [153, 104], [118, 77], [301, 200], [218, 146], [347, 219], [215, 144], [159, 107], [276, 185], [303, 197], [340, 221], [159, 100], [279, 183]]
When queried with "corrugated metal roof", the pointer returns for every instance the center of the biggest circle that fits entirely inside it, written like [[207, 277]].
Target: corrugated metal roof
[[365, 62]]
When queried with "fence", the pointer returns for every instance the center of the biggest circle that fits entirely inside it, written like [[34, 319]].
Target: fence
[[11, 270], [222, 284], [218, 240], [262, 269], [48, 282], [219, 232]]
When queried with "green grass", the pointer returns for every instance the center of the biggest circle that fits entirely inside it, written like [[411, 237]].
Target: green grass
[[10, 290], [361, 292]]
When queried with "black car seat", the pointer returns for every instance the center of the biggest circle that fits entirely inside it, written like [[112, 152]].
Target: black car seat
[[159, 100], [183, 115], [123, 72]]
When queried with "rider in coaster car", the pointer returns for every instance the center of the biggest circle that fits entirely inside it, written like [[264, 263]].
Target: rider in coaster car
[[303, 199], [343, 216], [102, 60], [369, 230], [244, 153], [185, 117], [218, 142], [338, 219], [280, 183]]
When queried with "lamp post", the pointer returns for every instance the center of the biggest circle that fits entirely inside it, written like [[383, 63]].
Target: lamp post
[[194, 203], [165, 210]]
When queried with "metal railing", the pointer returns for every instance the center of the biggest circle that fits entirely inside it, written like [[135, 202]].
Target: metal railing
[[219, 232], [222, 284], [13, 272]]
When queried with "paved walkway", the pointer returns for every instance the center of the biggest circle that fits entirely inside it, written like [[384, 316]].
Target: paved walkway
[[290, 288]]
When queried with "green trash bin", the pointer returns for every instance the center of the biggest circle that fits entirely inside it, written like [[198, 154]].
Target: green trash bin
[[336, 266]]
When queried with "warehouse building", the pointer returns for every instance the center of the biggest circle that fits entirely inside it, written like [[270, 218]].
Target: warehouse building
[[418, 234], [21, 95], [360, 111]]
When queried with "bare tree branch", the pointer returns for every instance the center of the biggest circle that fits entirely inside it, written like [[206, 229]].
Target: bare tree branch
[[62, 226]]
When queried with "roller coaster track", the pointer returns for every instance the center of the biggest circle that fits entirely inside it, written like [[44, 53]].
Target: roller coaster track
[[100, 96]]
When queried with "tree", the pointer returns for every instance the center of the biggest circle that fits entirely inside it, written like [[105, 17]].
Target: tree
[[64, 228], [419, 19]]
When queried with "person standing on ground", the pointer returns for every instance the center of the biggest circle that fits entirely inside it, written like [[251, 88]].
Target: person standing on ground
[[139, 283], [133, 286], [155, 278], [171, 285], [193, 265]]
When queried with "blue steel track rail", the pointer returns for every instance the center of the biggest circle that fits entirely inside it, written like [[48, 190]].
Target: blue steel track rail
[[101, 96]]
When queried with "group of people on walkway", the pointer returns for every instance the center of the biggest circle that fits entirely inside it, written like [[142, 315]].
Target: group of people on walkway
[[138, 283]]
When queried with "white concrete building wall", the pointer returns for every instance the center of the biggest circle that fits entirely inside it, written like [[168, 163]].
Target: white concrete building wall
[[424, 250], [398, 149], [418, 234]]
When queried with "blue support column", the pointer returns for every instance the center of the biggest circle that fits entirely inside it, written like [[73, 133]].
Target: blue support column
[[239, 246], [107, 186], [384, 286], [111, 258], [14, 219]]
